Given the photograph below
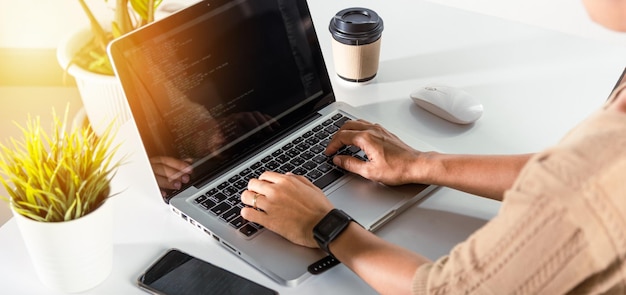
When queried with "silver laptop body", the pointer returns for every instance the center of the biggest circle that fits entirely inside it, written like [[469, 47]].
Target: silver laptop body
[[232, 87]]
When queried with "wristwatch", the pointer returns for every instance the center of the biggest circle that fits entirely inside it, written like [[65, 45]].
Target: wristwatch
[[330, 227]]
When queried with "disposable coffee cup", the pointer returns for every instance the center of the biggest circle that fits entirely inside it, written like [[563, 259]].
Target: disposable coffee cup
[[356, 41]]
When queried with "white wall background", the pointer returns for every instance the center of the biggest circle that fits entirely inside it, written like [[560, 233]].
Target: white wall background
[[567, 16], [42, 23]]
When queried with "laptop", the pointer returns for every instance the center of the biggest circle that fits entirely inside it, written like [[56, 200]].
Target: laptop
[[235, 88]]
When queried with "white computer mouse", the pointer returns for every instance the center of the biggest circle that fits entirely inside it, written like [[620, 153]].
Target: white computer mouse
[[452, 104]]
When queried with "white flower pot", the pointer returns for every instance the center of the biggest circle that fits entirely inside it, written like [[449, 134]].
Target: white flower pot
[[70, 256], [102, 95]]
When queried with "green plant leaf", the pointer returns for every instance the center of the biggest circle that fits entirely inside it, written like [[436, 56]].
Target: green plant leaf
[[58, 176]]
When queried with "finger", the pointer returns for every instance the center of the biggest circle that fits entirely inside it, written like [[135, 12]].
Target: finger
[[252, 215], [358, 124], [351, 164], [343, 138], [253, 199], [271, 176], [346, 134], [260, 186], [301, 178]]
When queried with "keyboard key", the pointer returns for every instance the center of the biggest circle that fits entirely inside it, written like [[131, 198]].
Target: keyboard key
[[237, 222], [317, 149], [315, 174], [272, 165], [299, 171], [200, 199], [322, 135], [217, 197], [229, 191], [282, 159], [241, 184], [292, 153], [287, 167], [248, 230], [331, 129], [234, 200], [220, 209], [231, 214], [297, 140], [309, 165], [353, 149], [312, 140], [325, 167], [245, 172], [307, 155], [341, 121], [327, 179], [223, 185], [303, 146], [320, 159], [297, 161], [207, 204]]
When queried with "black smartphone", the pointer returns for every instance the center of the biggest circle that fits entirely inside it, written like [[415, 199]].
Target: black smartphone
[[178, 273]]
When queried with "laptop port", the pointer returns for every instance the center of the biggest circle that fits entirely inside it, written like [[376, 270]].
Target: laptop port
[[229, 247]]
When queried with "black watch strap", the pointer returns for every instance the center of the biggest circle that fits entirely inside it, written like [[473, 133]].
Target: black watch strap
[[330, 227]]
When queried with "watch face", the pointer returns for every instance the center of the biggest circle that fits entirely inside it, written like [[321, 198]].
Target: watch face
[[330, 224]]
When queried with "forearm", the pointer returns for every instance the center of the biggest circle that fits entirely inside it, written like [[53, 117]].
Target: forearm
[[484, 175], [386, 267]]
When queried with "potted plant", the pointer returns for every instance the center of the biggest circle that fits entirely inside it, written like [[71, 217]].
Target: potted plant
[[83, 55], [58, 184]]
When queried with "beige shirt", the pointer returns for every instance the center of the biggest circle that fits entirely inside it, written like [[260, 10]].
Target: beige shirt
[[561, 228]]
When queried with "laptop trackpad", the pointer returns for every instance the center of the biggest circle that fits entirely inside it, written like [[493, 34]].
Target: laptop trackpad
[[367, 201]]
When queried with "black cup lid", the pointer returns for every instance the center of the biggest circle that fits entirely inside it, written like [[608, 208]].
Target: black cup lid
[[356, 25]]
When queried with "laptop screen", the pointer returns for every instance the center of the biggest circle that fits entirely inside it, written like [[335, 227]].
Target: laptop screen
[[212, 83]]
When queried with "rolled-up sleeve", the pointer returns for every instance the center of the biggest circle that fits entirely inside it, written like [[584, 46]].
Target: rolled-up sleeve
[[561, 229]]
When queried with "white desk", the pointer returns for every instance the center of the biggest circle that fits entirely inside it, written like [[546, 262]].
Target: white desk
[[534, 84]]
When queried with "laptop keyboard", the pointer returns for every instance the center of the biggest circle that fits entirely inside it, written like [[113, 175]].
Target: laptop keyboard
[[303, 156]]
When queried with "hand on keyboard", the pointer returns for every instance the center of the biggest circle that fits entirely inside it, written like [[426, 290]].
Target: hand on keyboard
[[290, 206], [388, 158]]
